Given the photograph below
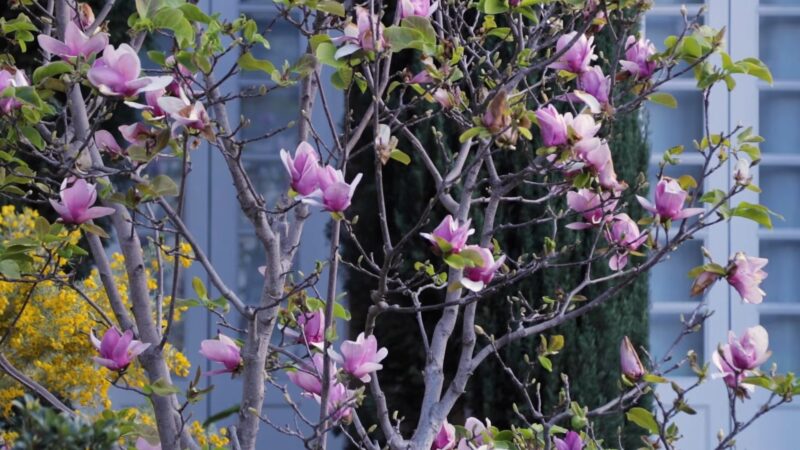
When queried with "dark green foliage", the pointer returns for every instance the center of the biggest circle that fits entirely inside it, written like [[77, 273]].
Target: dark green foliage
[[40, 427]]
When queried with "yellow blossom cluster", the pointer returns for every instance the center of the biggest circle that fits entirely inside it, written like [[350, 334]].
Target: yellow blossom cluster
[[209, 439], [49, 322]]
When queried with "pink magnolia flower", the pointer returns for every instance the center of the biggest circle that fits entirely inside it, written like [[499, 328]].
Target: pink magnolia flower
[[629, 361], [703, 282], [136, 133], [583, 126], [446, 98], [478, 432], [637, 58], [340, 400], [450, 236], [76, 203], [117, 350], [572, 441], [741, 172], [309, 377], [624, 233], [224, 351], [117, 72], [746, 276], [476, 278], [591, 205], [670, 198], [751, 350], [596, 154], [312, 327], [361, 357], [303, 168], [184, 114], [106, 142], [365, 34], [333, 193], [151, 102], [552, 125], [732, 376], [595, 83], [75, 43], [11, 77], [143, 444], [423, 8], [577, 58], [445, 438]]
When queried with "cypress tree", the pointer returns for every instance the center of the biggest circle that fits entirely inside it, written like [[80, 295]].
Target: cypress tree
[[590, 357]]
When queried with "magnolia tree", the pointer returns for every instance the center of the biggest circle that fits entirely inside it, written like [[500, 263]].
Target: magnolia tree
[[507, 76]]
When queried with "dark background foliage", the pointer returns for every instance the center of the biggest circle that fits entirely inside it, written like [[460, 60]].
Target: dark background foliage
[[591, 355]]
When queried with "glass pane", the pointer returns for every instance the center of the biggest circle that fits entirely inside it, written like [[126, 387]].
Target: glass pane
[[664, 328], [251, 257], [776, 34], [779, 184], [781, 284], [670, 127], [784, 333], [778, 121], [675, 269], [268, 114]]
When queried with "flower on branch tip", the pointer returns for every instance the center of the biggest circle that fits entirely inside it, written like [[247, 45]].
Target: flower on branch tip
[[446, 437], [302, 169], [751, 349], [741, 172], [479, 434], [75, 43], [571, 441], [629, 362], [596, 153], [117, 72], [703, 281], [136, 133], [552, 125], [224, 351], [105, 142], [312, 328], [365, 34], [669, 201], [733, 377], [361, 357], [308, 377], [581, 126], [450, 236], [117, 350], [746, 274], [143, 444], [333, 193], [422, 8], [340, 401], [591, 205], [575, 59], [638, 54], [77, 198], [623, 232], [477, 278], [184, 114], [11, 77], [595, 83]]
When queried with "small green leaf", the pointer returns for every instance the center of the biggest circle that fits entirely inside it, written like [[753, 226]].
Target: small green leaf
[[162, 388], [400, 156], [546, 363], [93, 229], [248, 62], [199, 288], [469, 134], [643, 418], [51, 70], [663, 98], [757, 213], [164, 186], [331, 7]]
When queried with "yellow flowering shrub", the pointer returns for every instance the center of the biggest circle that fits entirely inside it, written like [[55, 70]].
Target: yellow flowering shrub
[[49, 333]]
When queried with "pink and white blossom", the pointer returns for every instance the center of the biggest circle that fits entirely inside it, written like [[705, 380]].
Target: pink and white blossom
[[629, 362], [75, 43], [312, 327], [595, 83], [302, 169], [340, 401], [638, 58], [117, 350], [105, 142], [571, 441], [334, 194], [623, 232], [751, 349], [746, 276], [450, 236], [422, 8], [669, 201], [578, 56], [117, 73], [365, 34], [592, 206], [187, 115], [223, 350], [11, 77], [552, 125], [477, 278], [77, 198], [361, 357], [308, 377], [446, 438]]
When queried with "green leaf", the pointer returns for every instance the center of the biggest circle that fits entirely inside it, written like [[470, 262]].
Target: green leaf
[[663, 98], [9, 269], [423, 25], [51, 70], [33, 135], [340, 311], [757, 213], [331, 7], [469, 134], [546, 363], [161, 387], [400, 156], [157, 57], [495, 6], [93, 229], [193, 13], [643, 418], [248, 62], [653, 378], [401, 38], [199, 288], [326, 54], [164, 186]]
